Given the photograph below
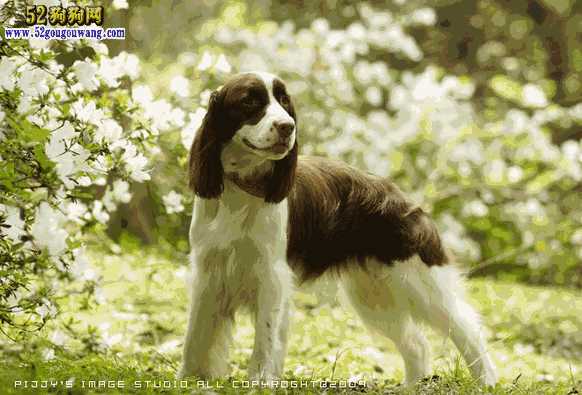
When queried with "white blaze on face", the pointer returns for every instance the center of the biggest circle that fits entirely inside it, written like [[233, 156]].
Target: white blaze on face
[[264, 134]]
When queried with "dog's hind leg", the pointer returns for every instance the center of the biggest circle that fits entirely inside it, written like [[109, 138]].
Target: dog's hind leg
[[369, 293], [436, 295]]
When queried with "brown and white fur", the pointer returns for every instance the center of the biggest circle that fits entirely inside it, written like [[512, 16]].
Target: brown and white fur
[[265, 217]]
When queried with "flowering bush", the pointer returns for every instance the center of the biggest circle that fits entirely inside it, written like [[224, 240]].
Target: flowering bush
[[72, 138]]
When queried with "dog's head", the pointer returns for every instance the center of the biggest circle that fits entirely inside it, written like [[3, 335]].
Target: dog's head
[[251, 113]]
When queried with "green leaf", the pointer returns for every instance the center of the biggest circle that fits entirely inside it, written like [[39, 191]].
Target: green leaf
[[42, 159], [29, 132], [505, 87], [541, 182]]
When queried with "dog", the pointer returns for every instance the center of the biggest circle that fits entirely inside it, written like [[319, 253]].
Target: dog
[[265, 217]]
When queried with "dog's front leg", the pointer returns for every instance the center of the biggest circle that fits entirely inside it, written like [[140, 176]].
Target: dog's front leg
[[209, 330], [271, 318]]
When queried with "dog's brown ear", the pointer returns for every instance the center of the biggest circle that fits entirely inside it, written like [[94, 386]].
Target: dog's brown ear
[[205, 167], [281, 181]]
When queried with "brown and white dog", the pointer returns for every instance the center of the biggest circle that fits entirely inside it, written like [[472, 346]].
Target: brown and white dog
[[265, 216]]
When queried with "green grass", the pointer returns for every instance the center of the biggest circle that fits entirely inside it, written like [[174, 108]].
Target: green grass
[[134, 334]]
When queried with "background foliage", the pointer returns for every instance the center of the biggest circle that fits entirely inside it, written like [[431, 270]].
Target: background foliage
[[472, 107]]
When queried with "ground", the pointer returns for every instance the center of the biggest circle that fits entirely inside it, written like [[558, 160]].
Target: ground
[[134, 336]]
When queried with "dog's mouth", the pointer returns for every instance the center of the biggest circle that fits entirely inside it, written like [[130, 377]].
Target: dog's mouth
[[277, 148]]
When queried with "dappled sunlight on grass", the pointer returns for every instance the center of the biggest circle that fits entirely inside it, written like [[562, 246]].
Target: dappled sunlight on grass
[[141, 316]]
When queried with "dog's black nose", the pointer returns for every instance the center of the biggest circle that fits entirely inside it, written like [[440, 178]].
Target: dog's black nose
[[284, 128]]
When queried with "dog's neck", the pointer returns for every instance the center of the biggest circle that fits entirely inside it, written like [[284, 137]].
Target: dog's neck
[[253, 186], [246, 170]]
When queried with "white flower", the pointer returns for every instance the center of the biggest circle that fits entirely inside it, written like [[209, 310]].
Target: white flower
[[129, 64], [576, 112], [87, 113], [76, 211], [69, 158], [180, 86], [110, 72], [424, 16], [8, 66], [13, 300], [454, 236], [47, 229], [42, 311], [177, 116], [515, 121], [77, 157], [111, 340], [120, 191], [571, 150], [475, 208], [84, 181], [86, 71], [533, 96], [98, 47], [173, 202], [81, 268], [169, 346], [108, 200], [33, 82], [495, 171], [48, 354], [58, 338], [99, 213], [58, 141], [514, 174], [25, 105], [523, 349], [320, 26], [111, 69], [190, 130], [15, 223], [120, 4], [136, 167], [454, 87], [46, 309], [222, 65], [135, 163], [206, 62], [108, 130], [374, 95], [142, 94], [356, 31], [576, 237]]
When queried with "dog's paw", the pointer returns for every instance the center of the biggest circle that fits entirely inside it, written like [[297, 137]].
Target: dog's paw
[[182, 374], [489, 379]]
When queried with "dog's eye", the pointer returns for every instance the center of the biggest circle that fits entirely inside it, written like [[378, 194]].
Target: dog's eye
[[284, 100], [250, 102]]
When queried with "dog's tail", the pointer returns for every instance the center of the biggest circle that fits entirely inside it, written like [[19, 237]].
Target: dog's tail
[[425, 238]]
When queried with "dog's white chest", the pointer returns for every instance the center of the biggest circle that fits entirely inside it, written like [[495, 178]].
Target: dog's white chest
[[238, 242], [238, 217]]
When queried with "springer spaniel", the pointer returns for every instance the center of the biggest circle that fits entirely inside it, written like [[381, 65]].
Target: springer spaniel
[[265, 216]]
